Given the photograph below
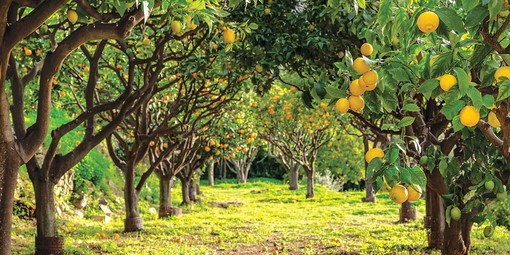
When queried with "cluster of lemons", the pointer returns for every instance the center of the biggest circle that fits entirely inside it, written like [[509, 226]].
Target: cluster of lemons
[[366, 82]]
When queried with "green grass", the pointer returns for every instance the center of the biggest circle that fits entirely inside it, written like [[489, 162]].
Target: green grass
[[332, 223]]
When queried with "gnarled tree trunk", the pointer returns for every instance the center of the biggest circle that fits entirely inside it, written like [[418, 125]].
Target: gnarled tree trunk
[[294, 177], [9, 167]]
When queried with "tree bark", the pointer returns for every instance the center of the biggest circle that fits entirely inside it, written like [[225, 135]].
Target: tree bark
[[185, 184], [309, 184], [294, 177], [407, 212], [435, 220], [9, 167], [369, 193], [211, 173], [192, 189], [133, 221], [45, 208], [165, 196]]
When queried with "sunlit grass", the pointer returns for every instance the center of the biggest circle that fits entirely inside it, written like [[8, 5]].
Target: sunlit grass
[[269, 216]]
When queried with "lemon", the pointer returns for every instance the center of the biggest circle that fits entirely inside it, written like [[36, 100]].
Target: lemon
[[503, 71], [427, 22], [447, 81], [370, 87], [267, 11], [366, 49], [176, 26], [356, 103], [414, 193], [469, 116], [355, 88], [398, 194], [455, 213], [360, 66], [493, 120], [373, 153], [72, 16], [370, 77], [342, 105], [259, 68], [229, 36]]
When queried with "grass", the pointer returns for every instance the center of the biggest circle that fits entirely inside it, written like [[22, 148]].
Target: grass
[[268, 216]]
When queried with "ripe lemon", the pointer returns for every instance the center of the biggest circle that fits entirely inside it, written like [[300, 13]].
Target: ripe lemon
[[414, 193], [360, 66], [370, 87], [366, 49], [72, 16], [176, 26], [398, 194], [356, 103], [447, 81], [355, 88], [267, 11], [373, 153], [493, 120], [469, 116], [342, 105], [503, 71], [370, 77], [427, 22], [229, 36], [146, 41]]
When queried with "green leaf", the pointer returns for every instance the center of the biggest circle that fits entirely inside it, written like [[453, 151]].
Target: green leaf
[[372, 167], [476, 97], [457, 126], [418, 176], [399, 74], [479, 55], [468, 5], [385, 11], [392, 175], [451, 109], [488, 100], [462, 79], [428, 86], [411, 108], [394, 152], [254, 26], [406, 121], [494, 8], [503, 91], [378, 184], [120, 6], [476, 16], [451, 19], [361, 4]]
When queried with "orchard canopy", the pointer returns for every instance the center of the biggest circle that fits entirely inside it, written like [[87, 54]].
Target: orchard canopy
[[127, 99]]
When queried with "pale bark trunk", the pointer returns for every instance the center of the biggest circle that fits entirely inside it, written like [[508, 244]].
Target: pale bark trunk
[[309, 184], [369, 193], [45, 211], [211, 173], [9, 167], [294, 178], [165, 196]]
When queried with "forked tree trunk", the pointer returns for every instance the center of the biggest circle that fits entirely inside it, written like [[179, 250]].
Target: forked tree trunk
[[407, 212], [211, 173], [165, 196], [133, 221], [9, 167], [294, 178], [457, 238], [434, 220], [309, 184]]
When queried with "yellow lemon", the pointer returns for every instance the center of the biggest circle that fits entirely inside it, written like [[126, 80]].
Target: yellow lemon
[[176, 26], [370, 87], [414, 193], [229, 36], [342, 105], [493, 120], [373, 153], [355, 88], [399, 194], [469, 116], [503, 71], [366, 49], [72, 16], [360, 66], [356, 103], [447, 81], [427, 22], [370, 77]]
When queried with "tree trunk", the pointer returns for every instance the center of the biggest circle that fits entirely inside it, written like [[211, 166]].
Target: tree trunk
[[242, 175], [192, 189], [435, 220], [186, 200], [294, 178], [407, 212], [457, 239], [165, 196], [9, 167], [223, 169], [369, 193], [211, 173], [309, 184], [133, 221]]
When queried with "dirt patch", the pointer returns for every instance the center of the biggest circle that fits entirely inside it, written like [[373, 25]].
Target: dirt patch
[[225, 205]]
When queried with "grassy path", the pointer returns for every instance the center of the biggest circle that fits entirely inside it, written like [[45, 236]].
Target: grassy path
[[267, 215]]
